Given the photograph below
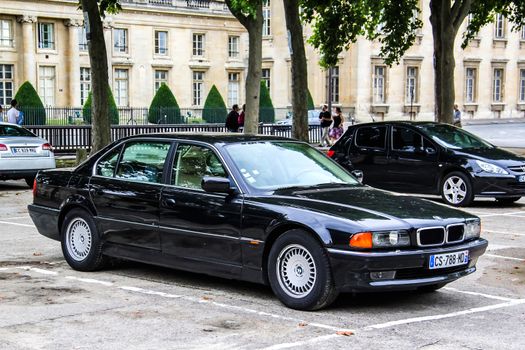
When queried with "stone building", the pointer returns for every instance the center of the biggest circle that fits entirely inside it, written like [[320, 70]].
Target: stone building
[[193, 44]]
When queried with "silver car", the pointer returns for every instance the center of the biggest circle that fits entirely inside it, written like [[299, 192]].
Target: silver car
[[23, 154]]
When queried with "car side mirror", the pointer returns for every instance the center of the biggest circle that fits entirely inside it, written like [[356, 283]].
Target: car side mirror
[[216, 184], [358, 174], [430, 151]]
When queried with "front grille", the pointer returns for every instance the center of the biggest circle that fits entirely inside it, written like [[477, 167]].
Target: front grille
[[425, 273], [520, 169], [430, 236], [455, 233]]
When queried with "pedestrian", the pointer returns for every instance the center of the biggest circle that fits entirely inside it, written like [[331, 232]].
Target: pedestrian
[[1, 113], [232, 120], [457, 116], [337, 129], [13, 114], [326, 121], [241, 119]]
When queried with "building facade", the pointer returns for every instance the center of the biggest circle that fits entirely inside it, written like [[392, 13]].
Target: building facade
[[193, 44]]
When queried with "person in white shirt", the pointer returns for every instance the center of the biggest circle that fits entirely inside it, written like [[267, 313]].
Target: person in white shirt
[[13, 113]]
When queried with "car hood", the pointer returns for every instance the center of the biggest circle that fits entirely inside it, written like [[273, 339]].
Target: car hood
[[371, 208], [500, 156]]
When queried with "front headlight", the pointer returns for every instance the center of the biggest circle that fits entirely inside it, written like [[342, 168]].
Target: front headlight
[[491, 168], [472, 228], [383, 239]]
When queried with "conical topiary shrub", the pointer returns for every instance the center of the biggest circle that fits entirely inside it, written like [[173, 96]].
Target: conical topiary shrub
[[31, 105], [310, 102], [164, 108], [113, 109], [215, 110], [266, 111]]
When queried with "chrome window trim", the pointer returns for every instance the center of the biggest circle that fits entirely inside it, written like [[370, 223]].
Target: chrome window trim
[[418, 232], [462, 237]]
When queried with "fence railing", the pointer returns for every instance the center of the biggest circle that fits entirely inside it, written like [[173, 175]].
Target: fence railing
[[67, 139]]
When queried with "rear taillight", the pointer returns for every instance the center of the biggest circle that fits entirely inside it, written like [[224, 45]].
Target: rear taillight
[[34, 187], [3, 147], [330, 153], [47, 147]]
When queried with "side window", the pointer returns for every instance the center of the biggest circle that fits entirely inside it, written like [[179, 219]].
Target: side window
[[143, 161], [406, 140], [106, 165], [192, 163], [371, 137]]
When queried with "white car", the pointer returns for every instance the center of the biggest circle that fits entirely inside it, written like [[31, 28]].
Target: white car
[[313, 118], [23, 154]]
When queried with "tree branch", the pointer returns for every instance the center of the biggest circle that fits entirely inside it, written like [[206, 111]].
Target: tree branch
[[460, 10], [242, 18]]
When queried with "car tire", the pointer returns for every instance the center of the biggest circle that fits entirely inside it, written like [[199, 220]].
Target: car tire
[[81, 244], [456, 189], [508, 200], [308, 285], [30, 181]]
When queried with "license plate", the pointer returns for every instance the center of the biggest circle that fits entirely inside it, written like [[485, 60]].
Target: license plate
[[521, 178], [440, 261], [24, 150]]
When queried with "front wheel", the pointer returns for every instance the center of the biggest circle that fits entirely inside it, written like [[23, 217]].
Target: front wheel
[[81, 244], [456, 189], [299, 272]]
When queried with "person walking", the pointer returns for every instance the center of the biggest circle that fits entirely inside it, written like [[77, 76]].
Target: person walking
[[241, 119], [457, 116], [13, 114], [337, 129], [232, 120], [326, 121]]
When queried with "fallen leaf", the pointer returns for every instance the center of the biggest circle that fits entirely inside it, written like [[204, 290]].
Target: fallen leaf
[[303, 324], [206, 298], [37, 254], [345, 333]]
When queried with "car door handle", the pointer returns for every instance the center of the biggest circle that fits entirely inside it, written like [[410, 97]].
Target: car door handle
[[170, 202]]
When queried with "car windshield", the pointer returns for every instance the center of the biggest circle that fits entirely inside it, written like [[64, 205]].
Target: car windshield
[[11, 130], [278, 165], [452, 137]]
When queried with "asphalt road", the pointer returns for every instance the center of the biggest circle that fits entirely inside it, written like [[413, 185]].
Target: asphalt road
[[46, 305], [500, 133]]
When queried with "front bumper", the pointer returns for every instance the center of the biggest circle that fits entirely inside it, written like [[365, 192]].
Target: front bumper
[[498, 186], [352, 269]]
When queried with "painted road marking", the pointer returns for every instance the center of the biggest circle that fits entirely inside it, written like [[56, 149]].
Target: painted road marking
[[489, 296], [89, 280], [16, 224], [500, 214], [37, 270], [302, 343], [504, 257], [504, 233]]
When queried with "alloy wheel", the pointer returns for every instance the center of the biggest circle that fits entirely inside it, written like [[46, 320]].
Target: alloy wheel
[[455, 190], [78, 239], [296, 271]]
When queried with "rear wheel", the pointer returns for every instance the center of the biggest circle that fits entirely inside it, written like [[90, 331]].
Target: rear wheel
[[508, 200], [456, 189], [30, 181], [81, 244], [299, 272]]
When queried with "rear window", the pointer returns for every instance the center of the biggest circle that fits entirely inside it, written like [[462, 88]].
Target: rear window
[[371, 137], [14, 131]]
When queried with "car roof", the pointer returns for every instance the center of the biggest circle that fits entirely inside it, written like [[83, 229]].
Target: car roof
[[212, 138], [400, 122]]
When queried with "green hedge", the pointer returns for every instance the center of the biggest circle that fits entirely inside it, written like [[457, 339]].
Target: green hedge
[[266, 111], [310, 102], [31, 105], [215, 110], [164, 108], [113, 109]]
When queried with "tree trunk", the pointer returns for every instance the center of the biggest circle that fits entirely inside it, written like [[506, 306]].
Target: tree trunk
[[253, 78], [299, 71], [100, 132]]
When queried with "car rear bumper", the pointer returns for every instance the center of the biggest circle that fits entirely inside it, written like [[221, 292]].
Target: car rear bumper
[[17, 168], [500, 187], [352, 269], [45, 220]]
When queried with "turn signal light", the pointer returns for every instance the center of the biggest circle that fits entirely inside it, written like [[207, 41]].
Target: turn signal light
[[330, 153], [3, 147], [34, 187], [47, 147], [361, 240]]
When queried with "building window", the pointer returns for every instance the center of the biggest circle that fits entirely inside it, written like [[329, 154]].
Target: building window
[[499, 27], [85, 84], [121, 87], [267, 17], [497, 93], [46, 36], [6, 84], [522, 85], [82, 39], [523, 33], [198, 44], [411, 92], [266, 77], [233, 46], [46, 85], [161, 77], [120, 40], [198, 87], [334, 84], [233, 89], [379, 84], [161, 42], [470, 85], [6, 33]]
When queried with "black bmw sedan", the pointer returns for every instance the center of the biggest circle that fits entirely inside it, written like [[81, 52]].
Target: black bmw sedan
[[431, 158], [262, 209]]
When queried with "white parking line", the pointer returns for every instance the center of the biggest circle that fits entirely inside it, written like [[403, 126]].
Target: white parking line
[[89, 280], [302, 343], [504, 257], [512, 213], [504, 233], [16, 224], [449, 315], [37, 270], [489, 296]]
